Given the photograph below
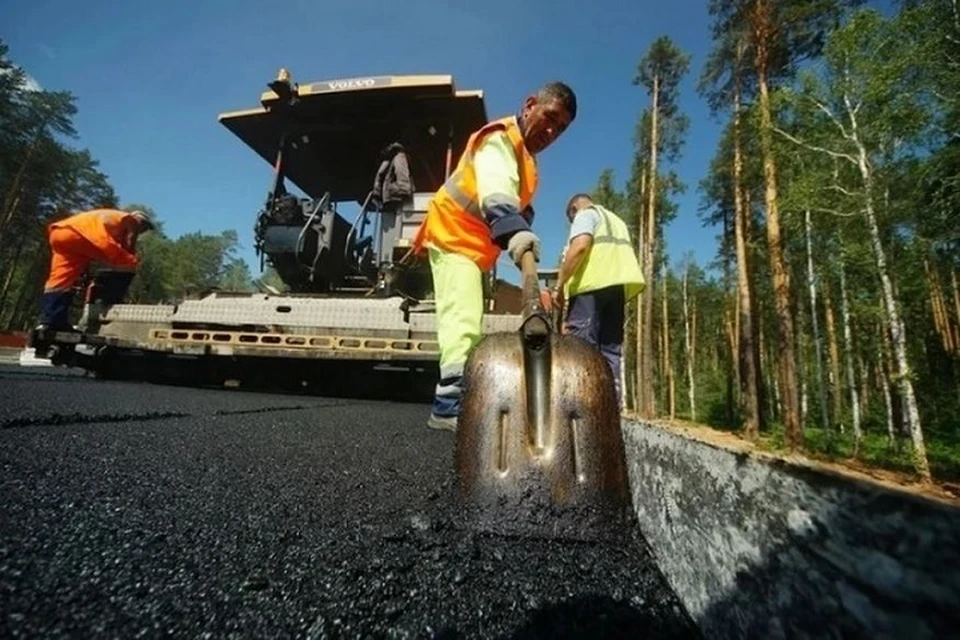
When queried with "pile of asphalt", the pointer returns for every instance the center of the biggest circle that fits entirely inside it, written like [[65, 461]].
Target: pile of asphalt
[[135, 510]]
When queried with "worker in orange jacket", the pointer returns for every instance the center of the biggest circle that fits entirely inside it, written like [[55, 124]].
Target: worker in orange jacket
[[480, 211], [107, 236]]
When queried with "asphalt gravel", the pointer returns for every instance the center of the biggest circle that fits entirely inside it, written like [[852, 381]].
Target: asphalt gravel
[[133, 510]]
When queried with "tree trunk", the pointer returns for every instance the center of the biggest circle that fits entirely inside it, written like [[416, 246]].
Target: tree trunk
[[693, 354], [662, 343], [731, 325], [733, 377], [639, 364], [748, 347], [667, 360], [13, 194], [848, 356], [865, 397], [14, 263], [26, 299], [623, 383], [815, 325], [834, 350], [883, 361], [11, 210], [786, 354], [941, 319], [956, 305], [648, 405], [899, 420], [689, 348], [890, 303], [801, 347]]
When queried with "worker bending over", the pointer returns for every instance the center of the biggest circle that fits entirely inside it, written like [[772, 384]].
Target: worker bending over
[[106, 236], [476, 214], [599, 273]]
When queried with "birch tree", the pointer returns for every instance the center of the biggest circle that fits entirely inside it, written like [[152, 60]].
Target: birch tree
[[815, 325], [866, 106], [689, 328]]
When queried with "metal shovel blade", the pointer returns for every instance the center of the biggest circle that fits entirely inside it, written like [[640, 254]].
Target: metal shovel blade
[[539, 448]]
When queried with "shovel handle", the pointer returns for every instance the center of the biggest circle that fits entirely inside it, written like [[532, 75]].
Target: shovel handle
[[532, 307]]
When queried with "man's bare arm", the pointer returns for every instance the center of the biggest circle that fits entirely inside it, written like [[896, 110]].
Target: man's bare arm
[[576, 252]]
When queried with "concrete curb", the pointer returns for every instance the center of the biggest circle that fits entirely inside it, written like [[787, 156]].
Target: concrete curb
[[757, 546]]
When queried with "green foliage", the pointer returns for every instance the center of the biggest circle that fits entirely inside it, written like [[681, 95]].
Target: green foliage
[[875, 450], [190, 265], [873, 121], [606, 194]]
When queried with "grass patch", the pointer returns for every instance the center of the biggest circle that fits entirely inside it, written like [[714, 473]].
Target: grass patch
[[875, 450]]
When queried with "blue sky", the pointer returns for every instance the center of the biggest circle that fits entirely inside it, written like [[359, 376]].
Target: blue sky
[[151, 78]]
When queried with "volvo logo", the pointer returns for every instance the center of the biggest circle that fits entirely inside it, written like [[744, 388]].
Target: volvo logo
[[355, 83]]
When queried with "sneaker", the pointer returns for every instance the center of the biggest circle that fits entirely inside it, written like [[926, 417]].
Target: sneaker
[[447, 423]]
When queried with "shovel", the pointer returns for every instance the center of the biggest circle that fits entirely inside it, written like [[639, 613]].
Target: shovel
[[539, 450]]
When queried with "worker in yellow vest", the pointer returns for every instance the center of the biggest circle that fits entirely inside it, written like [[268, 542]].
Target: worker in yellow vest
[[477, 214], [599, 273]]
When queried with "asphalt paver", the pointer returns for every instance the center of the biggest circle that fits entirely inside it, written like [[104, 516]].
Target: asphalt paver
[[136, 510]]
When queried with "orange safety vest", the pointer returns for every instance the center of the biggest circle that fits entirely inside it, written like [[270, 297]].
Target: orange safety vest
[[454, 221], [105, 229]]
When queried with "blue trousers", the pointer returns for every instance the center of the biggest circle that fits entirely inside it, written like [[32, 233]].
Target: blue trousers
[[597, 317]]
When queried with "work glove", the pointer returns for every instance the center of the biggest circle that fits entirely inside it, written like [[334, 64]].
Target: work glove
[[520, 243]]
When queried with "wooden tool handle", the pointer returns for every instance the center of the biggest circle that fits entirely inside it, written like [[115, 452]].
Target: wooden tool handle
[[532, 306]]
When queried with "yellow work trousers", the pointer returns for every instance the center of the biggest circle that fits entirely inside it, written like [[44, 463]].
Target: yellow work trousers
[[458, 293]]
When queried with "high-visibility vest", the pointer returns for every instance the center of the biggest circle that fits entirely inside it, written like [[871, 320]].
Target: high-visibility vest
[[104, 229], [610, 261], [454, 221]]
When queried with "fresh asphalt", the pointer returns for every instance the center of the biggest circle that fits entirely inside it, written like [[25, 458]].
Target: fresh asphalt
[[138, 510]]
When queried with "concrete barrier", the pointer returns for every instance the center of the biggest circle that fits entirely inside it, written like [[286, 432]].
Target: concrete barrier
[[759, 547]]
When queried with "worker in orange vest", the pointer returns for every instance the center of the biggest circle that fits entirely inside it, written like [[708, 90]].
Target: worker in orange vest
[[107, 236], [477, 214]]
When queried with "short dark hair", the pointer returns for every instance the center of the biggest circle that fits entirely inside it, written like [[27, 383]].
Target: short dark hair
[[561, 93], [576, 198]]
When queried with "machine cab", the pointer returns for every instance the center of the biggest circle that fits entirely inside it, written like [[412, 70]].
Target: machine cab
[[366, 155]]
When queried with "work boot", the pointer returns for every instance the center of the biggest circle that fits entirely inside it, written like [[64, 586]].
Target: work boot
[[445, 423]]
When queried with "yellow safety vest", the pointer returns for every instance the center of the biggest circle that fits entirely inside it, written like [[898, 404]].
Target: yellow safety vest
[[610, 261]]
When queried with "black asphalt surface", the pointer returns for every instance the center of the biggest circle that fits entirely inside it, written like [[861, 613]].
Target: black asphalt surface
[[132, 510]]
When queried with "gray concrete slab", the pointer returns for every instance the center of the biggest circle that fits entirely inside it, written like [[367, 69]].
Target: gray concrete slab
[[760, 547]]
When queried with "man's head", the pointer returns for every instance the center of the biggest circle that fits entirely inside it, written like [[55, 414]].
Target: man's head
[[577, 202], [144, 222], [547, 114], [139, 222]]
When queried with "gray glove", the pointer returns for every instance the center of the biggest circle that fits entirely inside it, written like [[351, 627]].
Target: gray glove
[[520, 243]]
